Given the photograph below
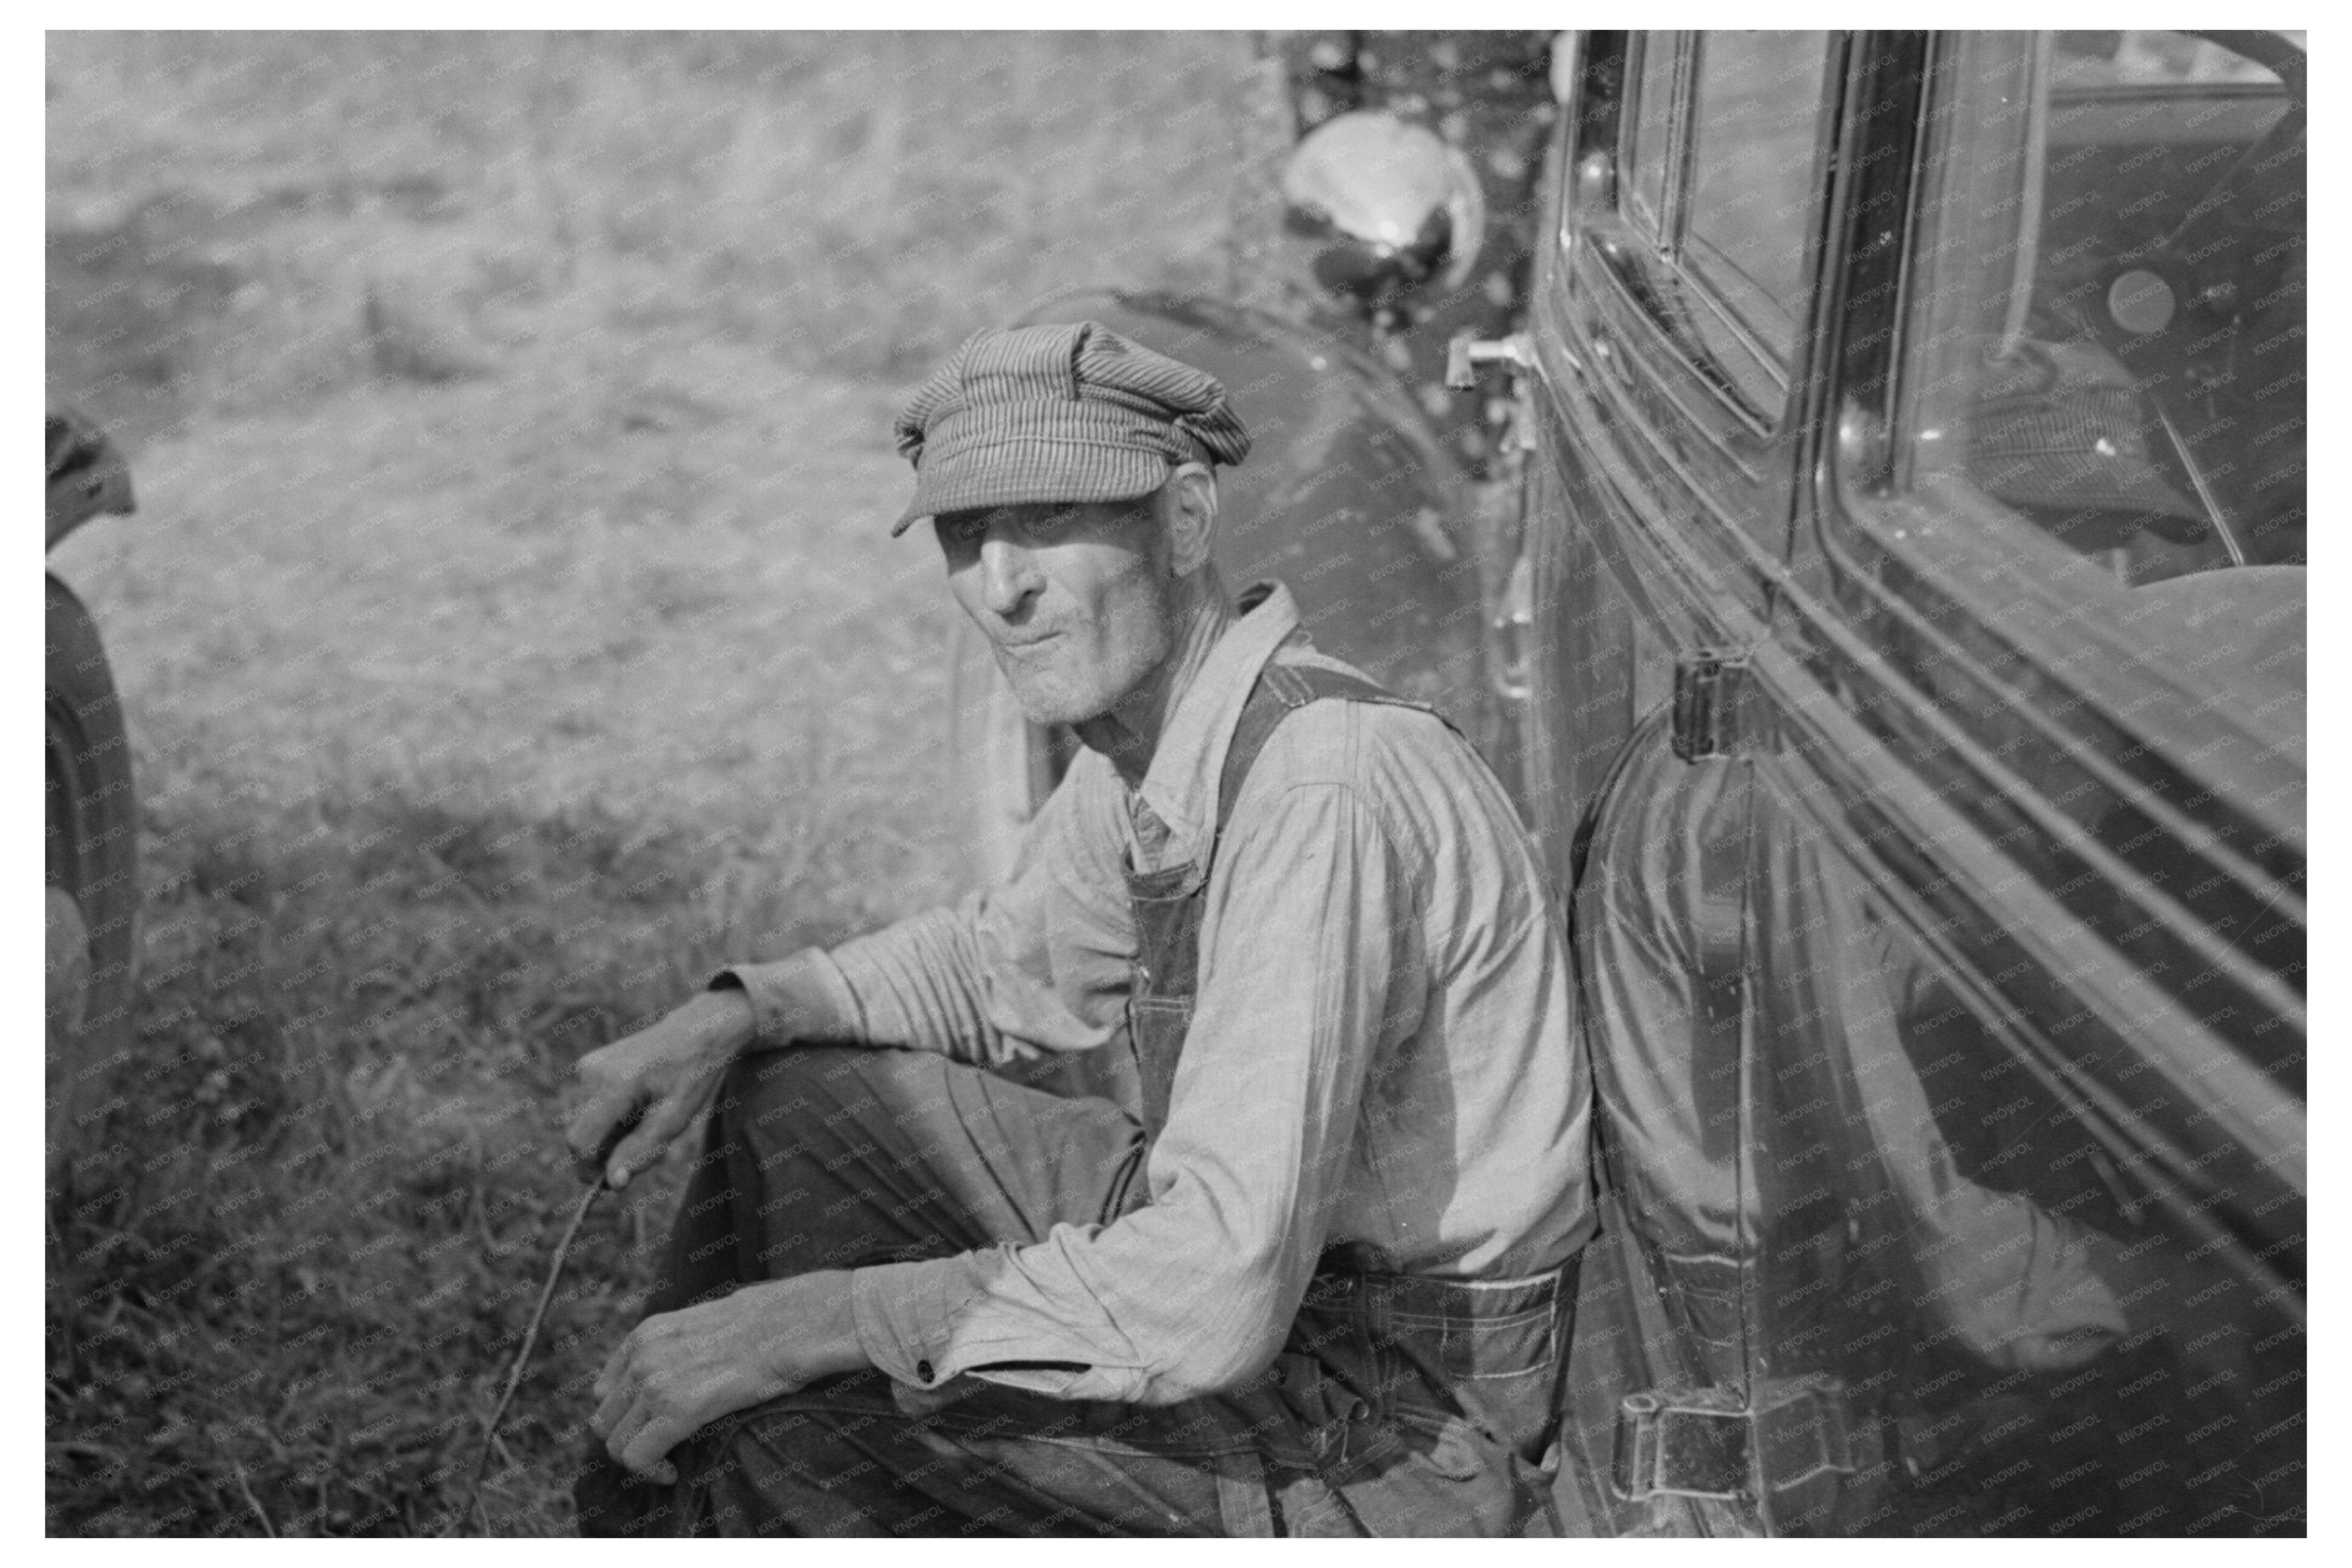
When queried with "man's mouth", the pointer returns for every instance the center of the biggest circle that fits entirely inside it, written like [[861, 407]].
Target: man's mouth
[[1028, 641]]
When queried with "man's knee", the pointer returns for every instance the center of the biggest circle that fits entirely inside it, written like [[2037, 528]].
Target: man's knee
[[785, 1464], [805, 1131], [802, 1094]]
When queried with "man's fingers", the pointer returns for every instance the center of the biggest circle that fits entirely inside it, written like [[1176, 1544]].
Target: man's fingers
[[664, 1119], [610, 1410], [644, 1433], [648, 1446], [598, 1115], [615, 1372], [622, 1416], [619, 1430]]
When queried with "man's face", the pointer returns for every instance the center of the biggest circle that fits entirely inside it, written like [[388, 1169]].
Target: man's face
[[1075, 600]]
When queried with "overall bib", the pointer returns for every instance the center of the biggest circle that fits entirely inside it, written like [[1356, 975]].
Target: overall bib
[[1425, 1402]]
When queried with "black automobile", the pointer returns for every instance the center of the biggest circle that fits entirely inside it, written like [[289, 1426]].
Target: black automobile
[[1912, 648]]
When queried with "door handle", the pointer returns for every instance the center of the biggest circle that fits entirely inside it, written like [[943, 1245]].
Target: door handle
[[1468, 352]]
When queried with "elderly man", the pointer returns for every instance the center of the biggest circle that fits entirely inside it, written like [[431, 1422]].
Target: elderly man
[[1320, 1280]]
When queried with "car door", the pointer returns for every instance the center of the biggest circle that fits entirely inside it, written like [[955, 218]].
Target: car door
[[2020, 1104]]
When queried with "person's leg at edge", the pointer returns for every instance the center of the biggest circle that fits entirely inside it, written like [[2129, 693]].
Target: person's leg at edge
[[835, 1157]]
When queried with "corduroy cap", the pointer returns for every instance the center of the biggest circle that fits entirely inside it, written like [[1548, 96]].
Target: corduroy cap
[[1070, 412]]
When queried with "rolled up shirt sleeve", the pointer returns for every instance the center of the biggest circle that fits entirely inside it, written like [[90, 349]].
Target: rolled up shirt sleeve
[[780, 993], [1312, 960], [1039, 962]]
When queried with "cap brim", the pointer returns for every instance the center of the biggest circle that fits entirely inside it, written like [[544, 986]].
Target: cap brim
[[1027, 473]]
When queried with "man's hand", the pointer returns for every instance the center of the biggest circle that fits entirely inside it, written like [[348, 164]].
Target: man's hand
[[672, 1070], [678, 1372]]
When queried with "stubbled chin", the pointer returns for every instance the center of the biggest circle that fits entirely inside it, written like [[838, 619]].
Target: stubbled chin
[[1045, 699], [1065, 680], [1047, 704]]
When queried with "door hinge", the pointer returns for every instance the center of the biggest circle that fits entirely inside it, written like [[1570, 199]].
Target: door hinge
[[1717, 710], [1711, 1443]]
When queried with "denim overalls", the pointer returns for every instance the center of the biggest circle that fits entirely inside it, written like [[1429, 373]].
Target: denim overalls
[[1401, 1404]]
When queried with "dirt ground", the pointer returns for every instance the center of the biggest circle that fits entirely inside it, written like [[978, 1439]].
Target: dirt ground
[[509, 632]]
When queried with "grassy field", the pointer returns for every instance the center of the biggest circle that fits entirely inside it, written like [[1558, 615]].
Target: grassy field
[[507, 635]]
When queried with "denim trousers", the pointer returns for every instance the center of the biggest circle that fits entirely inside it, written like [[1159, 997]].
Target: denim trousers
[[1398, 1406]]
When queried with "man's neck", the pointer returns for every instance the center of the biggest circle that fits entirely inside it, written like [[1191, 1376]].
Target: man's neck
[[1129, 733]]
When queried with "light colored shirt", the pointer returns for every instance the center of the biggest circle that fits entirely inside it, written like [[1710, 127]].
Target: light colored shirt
[[1382, 1052]]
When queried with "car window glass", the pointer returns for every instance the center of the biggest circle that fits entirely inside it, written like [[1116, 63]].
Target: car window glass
[[2096, 575], [1652, 132], [2118, 317], [1757, 100]]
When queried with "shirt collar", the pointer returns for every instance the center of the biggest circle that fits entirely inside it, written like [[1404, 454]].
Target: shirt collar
[[1181, 786]]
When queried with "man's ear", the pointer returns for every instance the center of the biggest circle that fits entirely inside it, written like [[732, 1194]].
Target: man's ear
[[1190, 518]]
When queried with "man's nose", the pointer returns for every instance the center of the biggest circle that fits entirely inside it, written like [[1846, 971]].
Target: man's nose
[[1008, 578]]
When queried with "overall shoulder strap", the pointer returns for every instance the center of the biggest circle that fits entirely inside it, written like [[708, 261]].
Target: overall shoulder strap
[[1281, 690]]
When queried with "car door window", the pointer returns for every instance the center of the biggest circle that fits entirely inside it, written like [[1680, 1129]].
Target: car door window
[[2110, 374], [1649, 151], [2124, 368], [1756, 109], [1722, 166], [2085, 555]]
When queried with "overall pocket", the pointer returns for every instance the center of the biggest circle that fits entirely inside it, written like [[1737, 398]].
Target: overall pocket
[[1503, 1371]]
